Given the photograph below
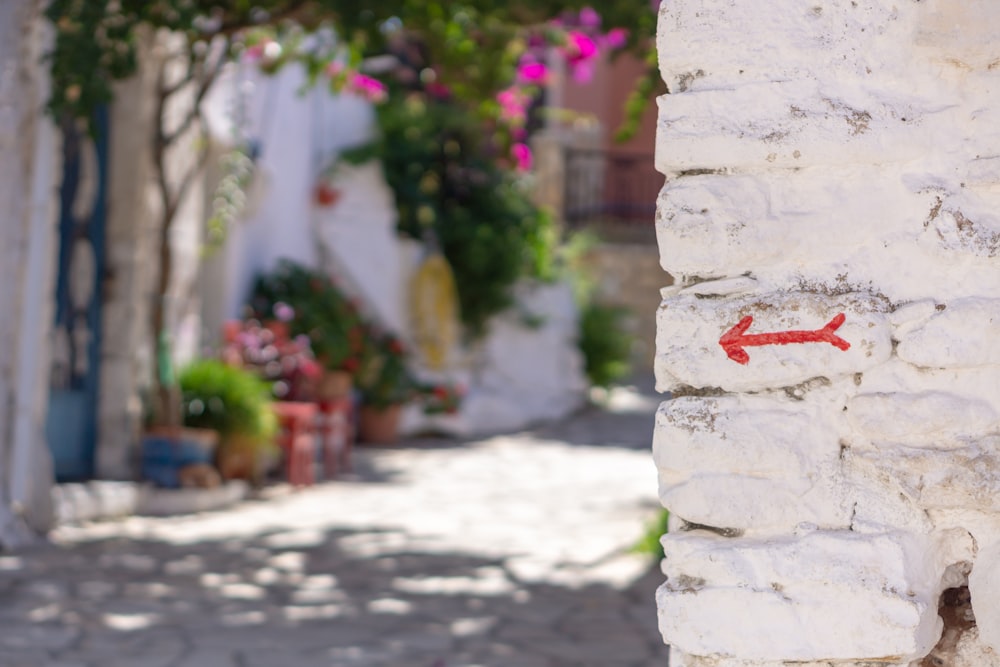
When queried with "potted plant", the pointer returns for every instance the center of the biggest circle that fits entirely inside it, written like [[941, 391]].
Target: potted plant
[[237, 404], [441, 399], [386, 384], [285, 363], [320, 312]]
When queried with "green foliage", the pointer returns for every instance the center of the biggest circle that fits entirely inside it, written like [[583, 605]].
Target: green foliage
[[605, 343], [474, 42], [336, 331], [386, 380], [230, 400], [649, 543], [448, 188], [639, 99]]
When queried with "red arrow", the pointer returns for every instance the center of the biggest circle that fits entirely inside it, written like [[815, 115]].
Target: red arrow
[[734, 340]]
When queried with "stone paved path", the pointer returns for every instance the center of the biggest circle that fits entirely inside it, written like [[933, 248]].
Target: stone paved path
[[503, 552]]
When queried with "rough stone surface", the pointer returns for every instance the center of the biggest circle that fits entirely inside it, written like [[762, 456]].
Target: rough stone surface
[[768, 593], [717, 467], [830, 217]]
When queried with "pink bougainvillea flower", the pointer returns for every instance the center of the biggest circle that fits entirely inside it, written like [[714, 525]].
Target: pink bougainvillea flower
[[583, 71], [254, 53], [334, 69], [590, 18], [522, 156], [532, 72], [371, 89], [616, 38], [580, 47], [513, 103]]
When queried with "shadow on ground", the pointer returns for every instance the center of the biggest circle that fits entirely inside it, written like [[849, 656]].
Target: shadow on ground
[[337, 598]]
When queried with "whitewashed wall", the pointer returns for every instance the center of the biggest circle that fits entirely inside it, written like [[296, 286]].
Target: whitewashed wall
[[29, 167], [822, 159], [299, 133], [516, 376]]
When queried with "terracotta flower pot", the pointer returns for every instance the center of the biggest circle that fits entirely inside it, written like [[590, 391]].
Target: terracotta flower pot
[[379, 426], [334, 385]]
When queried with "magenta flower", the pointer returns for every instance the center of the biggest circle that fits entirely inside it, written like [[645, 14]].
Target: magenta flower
[[254, 53], [522, 156], [532, 72], [616, 38], [580, 47], [513, 103], [371, 89], [590, 18], [583, 72]]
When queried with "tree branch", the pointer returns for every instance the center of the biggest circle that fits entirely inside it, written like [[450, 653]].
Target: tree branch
[[234, 26], [188, 180], [209, 77]]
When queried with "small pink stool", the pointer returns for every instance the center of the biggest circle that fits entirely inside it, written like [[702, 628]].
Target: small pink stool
[[297, 439], [336, 435]]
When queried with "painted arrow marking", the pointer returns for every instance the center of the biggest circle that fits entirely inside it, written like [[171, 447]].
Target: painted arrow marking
[[734, 340]]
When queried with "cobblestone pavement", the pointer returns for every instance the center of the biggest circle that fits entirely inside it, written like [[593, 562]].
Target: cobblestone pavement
[[504, 552]]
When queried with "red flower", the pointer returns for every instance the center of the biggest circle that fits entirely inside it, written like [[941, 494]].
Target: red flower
[[311, 369], [441, 392], [326, 195], [350, 365], [395, 346]]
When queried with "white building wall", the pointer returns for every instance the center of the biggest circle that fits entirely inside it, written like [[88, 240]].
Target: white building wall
[[834, 158], [28, 188]]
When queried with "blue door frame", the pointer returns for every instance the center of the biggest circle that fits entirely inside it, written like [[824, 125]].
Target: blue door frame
[[71, 427]]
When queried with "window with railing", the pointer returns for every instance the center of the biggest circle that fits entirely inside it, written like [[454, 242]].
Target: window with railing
[[608, 188]]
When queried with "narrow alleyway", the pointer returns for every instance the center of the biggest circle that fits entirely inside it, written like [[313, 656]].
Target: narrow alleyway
[[504, 552]]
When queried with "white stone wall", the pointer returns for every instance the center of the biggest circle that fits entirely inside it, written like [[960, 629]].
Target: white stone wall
[[833, 170]]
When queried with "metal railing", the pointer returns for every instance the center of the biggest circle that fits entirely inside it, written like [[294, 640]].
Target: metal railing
[[609, 189]]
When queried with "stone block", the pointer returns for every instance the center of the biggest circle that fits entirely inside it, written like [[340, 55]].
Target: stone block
[[984, 586], [965, 223], [680, 659], [824, 595], [934, 419], [965, 479], [804, 123], [752, 462], [857, 38], [961, 333], [689, 329], [714, 225]]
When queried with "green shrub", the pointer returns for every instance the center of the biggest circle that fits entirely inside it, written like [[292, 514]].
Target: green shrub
[[386, 380], [649, 543], [449, 190], [233, 401], [605, 343], [336, 331]]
